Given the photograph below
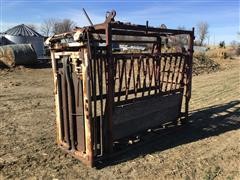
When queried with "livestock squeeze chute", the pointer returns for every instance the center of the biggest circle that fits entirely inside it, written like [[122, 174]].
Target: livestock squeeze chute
[[118, 80]]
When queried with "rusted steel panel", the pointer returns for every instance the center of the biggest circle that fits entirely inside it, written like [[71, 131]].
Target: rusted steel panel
[[79, 113], [145, 114]]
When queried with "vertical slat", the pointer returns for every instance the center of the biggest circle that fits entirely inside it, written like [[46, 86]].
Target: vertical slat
[[121, 78], [138, 83], [158, 72], [65, 110], [163, 72], [60, 110], [179, 71], [129, 77], [150, 71], [189, 73], [87, 106], [94, 100], [79, 116], [58, 98], [110, 92], [100, 81], [168, 73], [173, 72], [155, 73], [144, 70], [125, 75], [134, 80]]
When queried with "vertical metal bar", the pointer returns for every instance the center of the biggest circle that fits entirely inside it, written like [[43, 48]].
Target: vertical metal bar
[[155, 73], [110, 93], [168, 73], [164, 66], [173, 72], [101, 95], [65, 110], [134, 80], [87, 107], [125, 74], [95, 100], [138, 83], [100, 81], [56, 94], [179, 71], [129, 77], [70, 100], [189, 74], [158, 65], [121, 78], [150, 74], [144, 77]]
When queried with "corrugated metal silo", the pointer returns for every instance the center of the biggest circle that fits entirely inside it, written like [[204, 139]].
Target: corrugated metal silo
[[23, 34]]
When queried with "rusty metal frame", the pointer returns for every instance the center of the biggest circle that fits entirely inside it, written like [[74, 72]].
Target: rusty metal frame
[[96, 67]]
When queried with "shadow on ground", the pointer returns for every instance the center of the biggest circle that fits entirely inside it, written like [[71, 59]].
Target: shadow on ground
[[203, 123], [40, 65]]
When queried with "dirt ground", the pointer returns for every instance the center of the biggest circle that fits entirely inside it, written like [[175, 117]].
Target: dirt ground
[[207, 148]]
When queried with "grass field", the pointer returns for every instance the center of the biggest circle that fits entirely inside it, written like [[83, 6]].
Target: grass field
[[208, 148]]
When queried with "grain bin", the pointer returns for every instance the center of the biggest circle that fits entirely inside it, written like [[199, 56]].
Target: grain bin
[[23, 34]]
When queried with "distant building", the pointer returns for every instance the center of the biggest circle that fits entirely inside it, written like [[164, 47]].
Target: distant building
[[23, 34]]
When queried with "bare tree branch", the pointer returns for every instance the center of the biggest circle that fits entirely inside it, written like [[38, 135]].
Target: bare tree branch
[[62, 26], [202, 31], [48, 26]]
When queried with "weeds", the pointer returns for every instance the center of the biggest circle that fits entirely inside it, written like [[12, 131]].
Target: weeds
[[202, 63]]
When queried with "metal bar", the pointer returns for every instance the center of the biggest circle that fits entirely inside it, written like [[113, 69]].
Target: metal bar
[[121, 77], [150, 75], [144, 79], [180, 71], [65, 110], [138, 80], [173, 72], [127, 56], [129, 78], [164, 66], [58, 102], [87, 107], [121, 103], [108, 146], [70, 100], [94, 102], [168, 72], [189, 75], [150, 29]]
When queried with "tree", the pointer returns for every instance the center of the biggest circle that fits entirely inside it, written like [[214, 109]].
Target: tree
[[48, 26], [202, 31], [53, 26], [62, 26]]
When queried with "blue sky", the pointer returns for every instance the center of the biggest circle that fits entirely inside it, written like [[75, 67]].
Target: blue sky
[[223, 16]]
